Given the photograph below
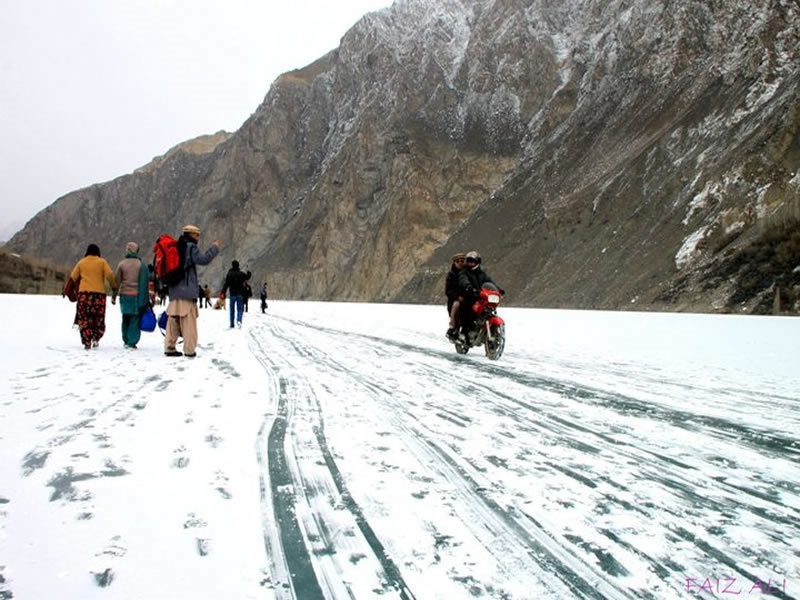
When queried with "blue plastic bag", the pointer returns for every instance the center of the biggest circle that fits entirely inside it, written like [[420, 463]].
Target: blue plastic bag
[[147, 322]]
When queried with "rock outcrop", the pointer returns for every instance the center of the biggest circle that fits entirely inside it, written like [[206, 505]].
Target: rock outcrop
[[24, 276]]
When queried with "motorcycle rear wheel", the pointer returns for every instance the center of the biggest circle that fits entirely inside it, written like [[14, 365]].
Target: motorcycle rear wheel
[[494, 347]]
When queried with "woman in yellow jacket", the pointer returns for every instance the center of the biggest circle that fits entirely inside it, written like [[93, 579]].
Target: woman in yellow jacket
[[93, 272]]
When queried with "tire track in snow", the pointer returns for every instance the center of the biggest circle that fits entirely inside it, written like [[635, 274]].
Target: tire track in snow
[[283, 473], [724, 429], [387, 563], [304, 580], [685, 481], [760, 439], [681, 479], [486, 518]]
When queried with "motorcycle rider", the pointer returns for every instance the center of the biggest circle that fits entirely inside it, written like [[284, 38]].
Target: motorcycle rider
[[470, 280], [453, 293]]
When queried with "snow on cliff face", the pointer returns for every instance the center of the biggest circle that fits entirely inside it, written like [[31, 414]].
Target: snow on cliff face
[[497, 57], [446, 33]]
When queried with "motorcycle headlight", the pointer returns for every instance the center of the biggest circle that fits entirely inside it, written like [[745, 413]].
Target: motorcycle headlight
[[494, 298]]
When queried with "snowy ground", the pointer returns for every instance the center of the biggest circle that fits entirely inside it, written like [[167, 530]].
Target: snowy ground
[[346, 451]]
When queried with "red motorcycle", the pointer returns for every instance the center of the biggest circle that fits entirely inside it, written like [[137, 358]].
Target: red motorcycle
[[487, 329]]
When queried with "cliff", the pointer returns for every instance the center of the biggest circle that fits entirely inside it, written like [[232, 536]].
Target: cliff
[[599, 153]]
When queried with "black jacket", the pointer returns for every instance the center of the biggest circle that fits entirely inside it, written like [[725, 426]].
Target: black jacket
[[451, 288], [234, 281], [470, 281]]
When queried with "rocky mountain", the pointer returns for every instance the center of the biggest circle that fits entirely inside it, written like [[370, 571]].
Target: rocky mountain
[[599, 154]]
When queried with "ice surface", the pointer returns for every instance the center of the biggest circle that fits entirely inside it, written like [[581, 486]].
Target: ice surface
[[346, 451]]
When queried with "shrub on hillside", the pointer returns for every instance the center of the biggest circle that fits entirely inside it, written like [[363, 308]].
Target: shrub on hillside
[[768, 264]]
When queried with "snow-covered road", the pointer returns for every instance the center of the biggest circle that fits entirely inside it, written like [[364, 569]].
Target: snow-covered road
[[346, 451]]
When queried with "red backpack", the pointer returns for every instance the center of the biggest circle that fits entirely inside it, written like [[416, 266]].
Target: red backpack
[[168, 265]]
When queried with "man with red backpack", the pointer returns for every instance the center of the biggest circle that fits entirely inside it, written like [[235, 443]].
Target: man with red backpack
[[182, 310]]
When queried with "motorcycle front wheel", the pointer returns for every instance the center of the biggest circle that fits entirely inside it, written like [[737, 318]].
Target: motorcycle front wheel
[[494, 347]]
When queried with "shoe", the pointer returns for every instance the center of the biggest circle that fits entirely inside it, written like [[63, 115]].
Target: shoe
[[192, 355], [239, 324], [95, 343], [173, 353], [130, 346], [87, 346]]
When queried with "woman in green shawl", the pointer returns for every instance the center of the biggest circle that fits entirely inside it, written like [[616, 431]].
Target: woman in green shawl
[[134, 297]]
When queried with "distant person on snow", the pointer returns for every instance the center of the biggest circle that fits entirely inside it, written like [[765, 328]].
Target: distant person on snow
[[264, 305], [94, 274], [470, 281], [134, 293], [453, 293], [219, 304], [182, 311], [233, 288], [247, 293]]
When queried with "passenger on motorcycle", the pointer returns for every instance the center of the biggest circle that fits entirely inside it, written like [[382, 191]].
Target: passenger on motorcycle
[[470, 280], [453, 293]]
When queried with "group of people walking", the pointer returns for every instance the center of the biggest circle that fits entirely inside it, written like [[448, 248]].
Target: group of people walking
[[204, 294], [132, 283]]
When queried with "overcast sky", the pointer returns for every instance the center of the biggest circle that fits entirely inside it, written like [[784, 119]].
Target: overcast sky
[[93, 89]]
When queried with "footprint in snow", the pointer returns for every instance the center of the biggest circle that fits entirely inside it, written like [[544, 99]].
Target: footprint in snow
[[220, 484], [225, 367], [212, 439], [104, 563], [5, 590], [3, 519], [193, 521], [181, 460], [197, 525]]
